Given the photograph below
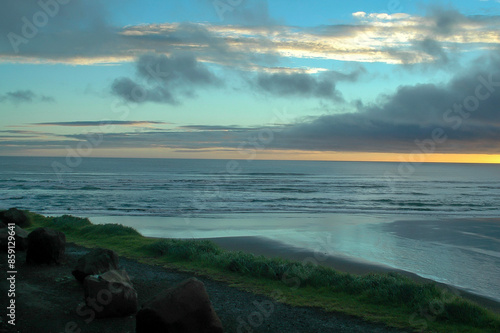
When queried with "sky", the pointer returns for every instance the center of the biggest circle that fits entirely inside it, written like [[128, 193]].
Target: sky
[[393, 80]]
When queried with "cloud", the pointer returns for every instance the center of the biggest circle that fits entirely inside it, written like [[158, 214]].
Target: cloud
[[134, 92], [297, 85], [31, 31], [465, 110], [176, 69], [100, 123], [255, 42], [446, 21], [19, 96], [169, 139], [24, 96], [462, 112], [371, 38], [36, 144], [322, 85], [215, 128], [164, 78], [73, 15], [21, 134], [434, 49]]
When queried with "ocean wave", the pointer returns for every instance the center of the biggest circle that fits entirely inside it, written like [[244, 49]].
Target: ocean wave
[[173, 193], [89, 188], [272, 174], [288, 190]]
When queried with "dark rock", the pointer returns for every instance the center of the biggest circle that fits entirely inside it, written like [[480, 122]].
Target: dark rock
[[20, 238], [16, 216], [182, 308], [97, 261], [45, 246], [110, 294], [2, 225]]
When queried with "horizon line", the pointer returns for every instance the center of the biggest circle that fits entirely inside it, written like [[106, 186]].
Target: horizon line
[[262, 159]]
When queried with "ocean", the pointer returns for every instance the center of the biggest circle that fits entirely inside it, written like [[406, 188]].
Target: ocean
[[440, 221], [170, 187]]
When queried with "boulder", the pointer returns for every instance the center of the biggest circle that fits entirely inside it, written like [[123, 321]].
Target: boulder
[[20, 237], [2, 225], [182, 308], [97, 261], [110, 294], [16, 216], [45, 246]]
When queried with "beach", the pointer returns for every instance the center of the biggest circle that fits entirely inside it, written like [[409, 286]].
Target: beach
[[441, 224], [450, 252], [303, 296], [269, 248]]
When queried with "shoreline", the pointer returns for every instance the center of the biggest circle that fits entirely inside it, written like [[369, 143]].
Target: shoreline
[[272, 248], [251, 237], [385, 299], [448, 251]]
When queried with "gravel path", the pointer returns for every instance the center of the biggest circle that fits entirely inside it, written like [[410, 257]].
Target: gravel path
[[48, 297]]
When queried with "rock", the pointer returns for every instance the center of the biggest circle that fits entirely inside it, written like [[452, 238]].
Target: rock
[[182, 308], [45, 246], [16, 216], [110, 294], [97, 261], [2, 225], [20, 237]]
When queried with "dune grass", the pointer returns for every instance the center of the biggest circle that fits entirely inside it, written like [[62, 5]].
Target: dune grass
[[390, 298]]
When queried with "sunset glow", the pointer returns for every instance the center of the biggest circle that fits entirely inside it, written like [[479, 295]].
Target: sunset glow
[[370, 81]]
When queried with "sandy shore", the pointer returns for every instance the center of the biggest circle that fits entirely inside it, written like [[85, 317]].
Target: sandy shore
[[460, 252], [272, 248]]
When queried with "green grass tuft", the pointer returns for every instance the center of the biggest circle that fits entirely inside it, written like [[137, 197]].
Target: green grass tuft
[[111, 230], [465, 312], [182, 249]]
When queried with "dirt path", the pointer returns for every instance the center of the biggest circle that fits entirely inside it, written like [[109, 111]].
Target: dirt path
[[48, 297]]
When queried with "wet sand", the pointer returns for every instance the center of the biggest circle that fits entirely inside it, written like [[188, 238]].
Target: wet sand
[[272, 248]]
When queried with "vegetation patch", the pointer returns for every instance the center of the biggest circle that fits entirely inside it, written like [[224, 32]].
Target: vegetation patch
[[390, 298]]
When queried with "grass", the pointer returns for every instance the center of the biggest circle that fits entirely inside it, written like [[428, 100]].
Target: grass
[[390, 298]]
